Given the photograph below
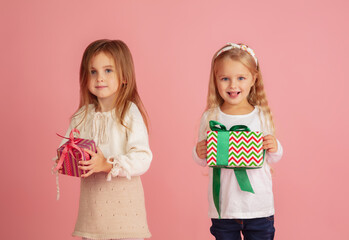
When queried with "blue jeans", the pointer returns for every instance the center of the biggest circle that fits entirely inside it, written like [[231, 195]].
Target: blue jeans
[[252, 229]]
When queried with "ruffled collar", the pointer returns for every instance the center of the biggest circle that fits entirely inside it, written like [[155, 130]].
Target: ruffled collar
[[99, 125]]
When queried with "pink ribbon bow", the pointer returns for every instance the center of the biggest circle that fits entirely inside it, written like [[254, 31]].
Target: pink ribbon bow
[[69, 147]]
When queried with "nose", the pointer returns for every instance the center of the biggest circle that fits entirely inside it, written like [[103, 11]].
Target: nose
[[100, 77], [233, 83]]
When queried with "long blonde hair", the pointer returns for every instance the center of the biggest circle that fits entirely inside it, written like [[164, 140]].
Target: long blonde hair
[[127, 92], [256, 97]]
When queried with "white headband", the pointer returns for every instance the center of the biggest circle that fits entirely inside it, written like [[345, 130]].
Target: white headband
[[242, 47]]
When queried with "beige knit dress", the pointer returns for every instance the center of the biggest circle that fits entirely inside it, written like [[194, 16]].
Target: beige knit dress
[[115, 209]]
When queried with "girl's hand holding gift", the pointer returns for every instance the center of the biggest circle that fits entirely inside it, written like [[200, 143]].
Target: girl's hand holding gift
[[97, 163], [270, 143], [201, 149]]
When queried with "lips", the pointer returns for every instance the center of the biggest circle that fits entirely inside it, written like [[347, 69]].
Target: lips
[[234, 94], [100, 87]]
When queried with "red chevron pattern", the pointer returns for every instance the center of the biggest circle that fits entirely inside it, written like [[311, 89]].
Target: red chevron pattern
[[212, 148], [246, 140], [245, 149]]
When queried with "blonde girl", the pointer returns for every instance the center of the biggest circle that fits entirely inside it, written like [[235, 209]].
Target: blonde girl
[[236, 97], [111, 113]]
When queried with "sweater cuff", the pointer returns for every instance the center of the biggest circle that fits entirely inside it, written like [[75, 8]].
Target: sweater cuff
[[120, 167]]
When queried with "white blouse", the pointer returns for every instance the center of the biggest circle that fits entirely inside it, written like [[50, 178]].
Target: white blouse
[[128, 147], [234, 203]]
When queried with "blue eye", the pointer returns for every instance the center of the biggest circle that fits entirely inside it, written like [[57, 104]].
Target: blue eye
[[225, 79], [108, 70], [241, 78], [93, 72]]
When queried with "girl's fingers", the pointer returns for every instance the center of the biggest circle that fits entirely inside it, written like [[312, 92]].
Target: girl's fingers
[[272, 150], [269, 138], [89, 173], [202, 153], [269, 143], [90, 152], [266, 146], [202, 149], [86, 167], [89, 162], [269, 147]]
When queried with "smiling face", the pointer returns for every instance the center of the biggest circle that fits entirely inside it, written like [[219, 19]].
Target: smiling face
[[234, 82], [103, 80]]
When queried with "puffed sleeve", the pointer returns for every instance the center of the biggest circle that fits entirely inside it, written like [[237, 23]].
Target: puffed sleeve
[[202, 136], [138, 155]]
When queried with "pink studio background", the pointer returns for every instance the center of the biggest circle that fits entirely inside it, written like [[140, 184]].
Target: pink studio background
[[302, 47]]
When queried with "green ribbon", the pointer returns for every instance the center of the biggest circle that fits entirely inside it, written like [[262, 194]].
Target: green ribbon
[[222, 161], [217, 126]]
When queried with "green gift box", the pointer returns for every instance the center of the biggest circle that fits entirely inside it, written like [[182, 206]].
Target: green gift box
[[238, 149]]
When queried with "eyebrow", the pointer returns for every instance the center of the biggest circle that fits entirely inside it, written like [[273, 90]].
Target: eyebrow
[[107, 66], [239, 74], [222, 75]]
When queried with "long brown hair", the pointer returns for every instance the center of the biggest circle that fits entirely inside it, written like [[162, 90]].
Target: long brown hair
[[127, 92], [256, 97]]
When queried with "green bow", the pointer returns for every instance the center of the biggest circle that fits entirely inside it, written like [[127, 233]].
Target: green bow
[[217, 126], [223, 149]]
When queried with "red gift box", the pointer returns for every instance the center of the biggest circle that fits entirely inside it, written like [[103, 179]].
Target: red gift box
[[70, 153]]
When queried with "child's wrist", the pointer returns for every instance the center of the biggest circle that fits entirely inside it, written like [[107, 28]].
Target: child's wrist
[[107, 166]]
